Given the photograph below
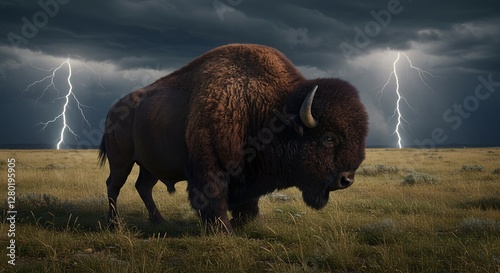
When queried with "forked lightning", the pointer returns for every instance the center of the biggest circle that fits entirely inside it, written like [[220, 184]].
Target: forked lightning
[[69, 95], [397, 111]]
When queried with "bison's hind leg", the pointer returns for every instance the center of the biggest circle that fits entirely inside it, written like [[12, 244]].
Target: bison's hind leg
[[114, 183], [144, 185], [170, 185]]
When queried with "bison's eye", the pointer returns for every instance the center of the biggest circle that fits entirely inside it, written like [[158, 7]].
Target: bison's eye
[[330, 139]]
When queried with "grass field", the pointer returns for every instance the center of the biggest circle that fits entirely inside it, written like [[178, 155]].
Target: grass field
[[408, 211]]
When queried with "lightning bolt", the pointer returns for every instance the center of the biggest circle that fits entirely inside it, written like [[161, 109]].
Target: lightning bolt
[[51, 76], [421, 73], [397, 111], [70, 95], [98, 75]]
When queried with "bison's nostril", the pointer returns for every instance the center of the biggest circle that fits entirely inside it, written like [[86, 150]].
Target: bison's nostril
[[345, 182]]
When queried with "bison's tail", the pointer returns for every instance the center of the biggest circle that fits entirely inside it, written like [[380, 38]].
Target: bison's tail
[[102, 152]]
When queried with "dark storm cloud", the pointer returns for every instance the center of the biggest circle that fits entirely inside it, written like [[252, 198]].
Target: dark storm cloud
[[133, 42], [113, 30]]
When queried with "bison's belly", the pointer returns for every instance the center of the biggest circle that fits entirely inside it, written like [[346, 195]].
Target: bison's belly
[[253, 186], [159, 146], [166, 161]]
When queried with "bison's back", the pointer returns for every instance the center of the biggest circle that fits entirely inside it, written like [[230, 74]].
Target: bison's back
[[226, 67], [147, 126]]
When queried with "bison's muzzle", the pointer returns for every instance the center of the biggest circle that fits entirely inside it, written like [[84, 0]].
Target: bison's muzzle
[[343, 181], [318, 198]]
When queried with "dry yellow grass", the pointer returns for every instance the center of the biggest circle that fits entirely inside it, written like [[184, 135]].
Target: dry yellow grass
[[410, 210]]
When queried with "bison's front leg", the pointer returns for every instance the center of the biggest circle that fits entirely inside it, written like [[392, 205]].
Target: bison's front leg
[[245, 212], [209, 194]]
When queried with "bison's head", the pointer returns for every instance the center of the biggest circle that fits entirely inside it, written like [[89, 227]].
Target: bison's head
[[330, 138]]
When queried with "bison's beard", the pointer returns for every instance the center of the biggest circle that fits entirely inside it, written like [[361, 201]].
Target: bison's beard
[[315, 199]]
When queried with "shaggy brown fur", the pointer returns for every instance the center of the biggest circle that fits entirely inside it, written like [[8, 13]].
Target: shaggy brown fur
[[228, 123]]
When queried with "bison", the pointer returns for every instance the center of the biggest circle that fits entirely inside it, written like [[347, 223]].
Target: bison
[[238, 122]]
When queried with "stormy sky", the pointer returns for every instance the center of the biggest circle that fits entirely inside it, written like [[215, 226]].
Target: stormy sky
[[118, 46]]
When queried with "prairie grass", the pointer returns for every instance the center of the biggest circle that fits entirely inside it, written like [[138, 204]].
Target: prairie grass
[[418, 177], [472, 168], [447, 221]]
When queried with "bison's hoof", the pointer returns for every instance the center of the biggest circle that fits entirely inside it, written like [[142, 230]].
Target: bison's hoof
[[158, 220]]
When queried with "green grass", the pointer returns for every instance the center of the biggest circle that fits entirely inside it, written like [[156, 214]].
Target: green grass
[[448, 220]]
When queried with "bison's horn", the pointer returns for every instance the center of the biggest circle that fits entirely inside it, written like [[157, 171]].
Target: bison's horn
[[305, 110]]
